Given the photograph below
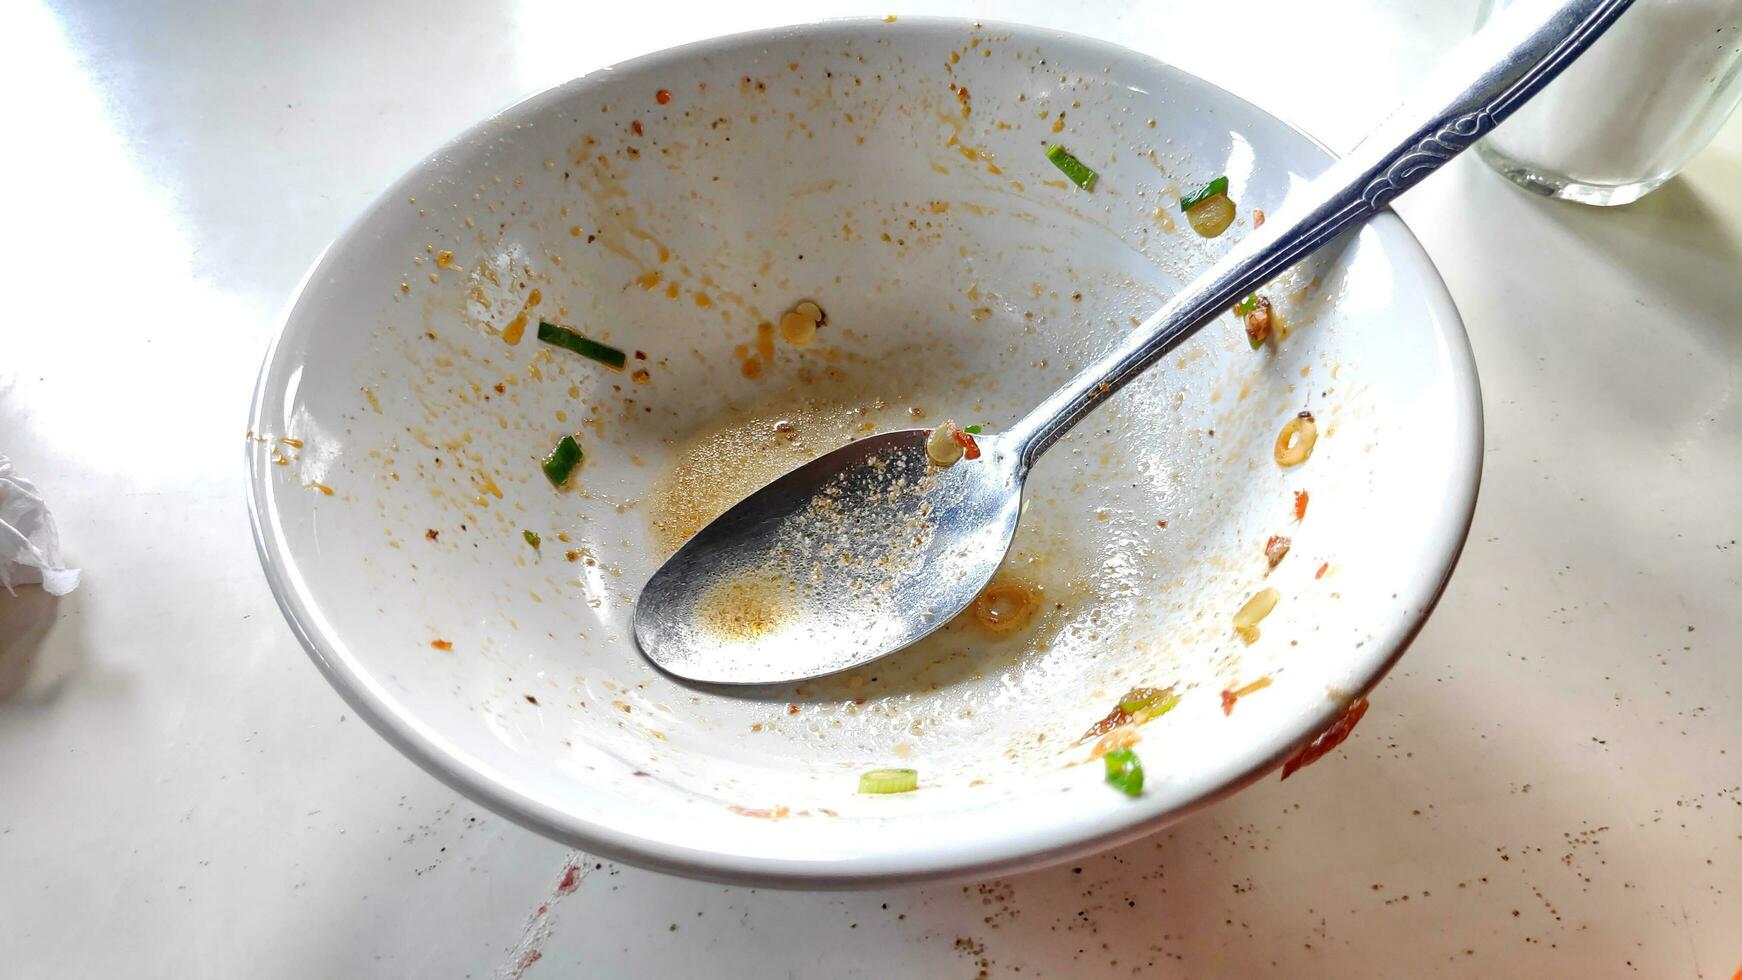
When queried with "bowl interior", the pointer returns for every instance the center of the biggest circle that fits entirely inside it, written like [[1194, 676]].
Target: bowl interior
[[894, 174]]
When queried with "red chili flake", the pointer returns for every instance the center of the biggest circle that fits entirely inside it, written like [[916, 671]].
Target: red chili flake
[[441, 644], [530, 699], [662, 96], [571, 880], [1322, 570], [970, 448], [1328, 739], [635, 127], [1300, 505], [1114, 719], [1229, 697], [432, 534], [792, 709], [1160, 523]]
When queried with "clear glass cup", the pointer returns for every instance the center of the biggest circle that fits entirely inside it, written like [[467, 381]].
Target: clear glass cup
[[1631, 112]]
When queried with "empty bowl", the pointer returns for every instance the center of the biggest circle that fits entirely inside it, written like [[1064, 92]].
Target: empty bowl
[[894, 173]]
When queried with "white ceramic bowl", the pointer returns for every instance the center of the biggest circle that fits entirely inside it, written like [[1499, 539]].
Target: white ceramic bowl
[[894, 173]]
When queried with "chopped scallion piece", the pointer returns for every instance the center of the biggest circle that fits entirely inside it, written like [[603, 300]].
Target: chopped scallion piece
[[1075, 169], [1246, 305], [1125, 772], [562, 460], [881, 781], [532, 538], [974, 430], [1144, 703], [569, 340], [1204, 193]]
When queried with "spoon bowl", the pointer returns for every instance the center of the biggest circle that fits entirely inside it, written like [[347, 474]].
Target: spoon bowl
[[859, 552]]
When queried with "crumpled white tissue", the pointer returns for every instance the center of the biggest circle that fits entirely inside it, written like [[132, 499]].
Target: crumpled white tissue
[[29, 546]]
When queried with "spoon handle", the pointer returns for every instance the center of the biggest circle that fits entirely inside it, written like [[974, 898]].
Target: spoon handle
[[1480, 84]]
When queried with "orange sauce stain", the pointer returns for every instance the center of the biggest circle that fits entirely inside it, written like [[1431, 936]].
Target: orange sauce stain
[[485, 483], [516, 329], [765, 340], [770, 813], [703, 300], [648, 280]]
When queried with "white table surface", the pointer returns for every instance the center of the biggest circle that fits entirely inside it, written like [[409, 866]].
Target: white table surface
[[1549, 785]]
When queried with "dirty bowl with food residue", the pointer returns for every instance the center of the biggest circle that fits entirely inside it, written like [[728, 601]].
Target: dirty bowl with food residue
[[574, 335]]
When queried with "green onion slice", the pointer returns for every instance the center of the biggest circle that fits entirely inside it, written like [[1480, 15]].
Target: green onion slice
[[567, 339], [532, 538], [1246, 305], [974, 430], [1144, 703], [1125, 772], [881, 781], [1192, 200], [562, 460], [1075, 169]]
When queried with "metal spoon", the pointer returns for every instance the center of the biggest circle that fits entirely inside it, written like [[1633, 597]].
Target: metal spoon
[[866, 549]]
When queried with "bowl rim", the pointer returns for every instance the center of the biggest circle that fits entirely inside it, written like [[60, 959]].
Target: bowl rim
[[996, 855]]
